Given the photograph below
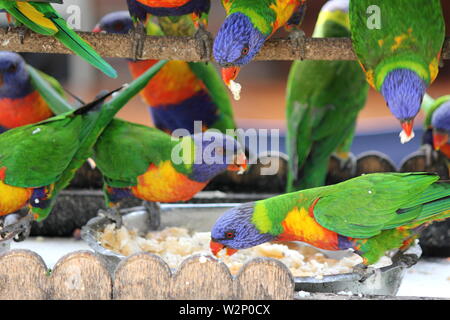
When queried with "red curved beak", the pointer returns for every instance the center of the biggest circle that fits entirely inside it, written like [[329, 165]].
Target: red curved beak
[[439, 140], [97, 29], [217, 247], [408, 127], [239, 163], [229, 74]]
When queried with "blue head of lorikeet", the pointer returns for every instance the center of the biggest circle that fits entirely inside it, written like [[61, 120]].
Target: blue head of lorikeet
[[403, 91], [14, 78], [115, 22], [441, 125], [234, 231], [215, 153], [236, 44]]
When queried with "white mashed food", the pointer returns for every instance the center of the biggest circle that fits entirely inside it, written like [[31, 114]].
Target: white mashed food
[[404, 138], [235, 89], [173, 245]]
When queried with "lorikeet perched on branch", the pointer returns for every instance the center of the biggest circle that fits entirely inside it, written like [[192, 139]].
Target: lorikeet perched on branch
[[21, 100], [399, 48], [42, 18], [181, 92], [323, 101], [151, 165], [198, 10], [37, 161], [370, 214], [249, 23]]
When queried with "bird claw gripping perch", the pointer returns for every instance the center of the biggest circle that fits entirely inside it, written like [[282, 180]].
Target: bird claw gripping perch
[[204, 43], [154, 214], [298, 43], [18, 230], [112, 214], [363, 271], [139, 33]]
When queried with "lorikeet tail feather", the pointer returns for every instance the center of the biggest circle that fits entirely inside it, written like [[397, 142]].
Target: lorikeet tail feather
[[45, 28], [75, 43]]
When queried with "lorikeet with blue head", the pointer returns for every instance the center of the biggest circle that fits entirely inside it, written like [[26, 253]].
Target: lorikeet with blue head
[[37, 161], [399, 50], [323, 102], [146, 163], [370, 214], [22, 101], [42, 18], [248, 25], [181, 92], [141, 12]]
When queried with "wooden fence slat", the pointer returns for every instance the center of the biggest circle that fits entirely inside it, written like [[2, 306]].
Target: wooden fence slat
[[202, 277], [264, 279], [142, 276], [23, 276], [81, 275]]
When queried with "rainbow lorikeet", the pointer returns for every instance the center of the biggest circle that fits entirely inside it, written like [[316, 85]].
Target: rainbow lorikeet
[[323, 102], [37, 161], [399, 50], [146, 163], [181, 92], [249, 23], [370, 214], [197, 10], [22, 100], [42, 18]]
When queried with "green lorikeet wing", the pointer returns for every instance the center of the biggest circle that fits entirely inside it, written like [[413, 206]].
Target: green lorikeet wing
[[122, 139], [323, 101], [364, 206], [43, 18], [397, 36], [30, 163]]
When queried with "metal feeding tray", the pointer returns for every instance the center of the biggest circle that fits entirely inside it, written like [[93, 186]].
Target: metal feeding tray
[[201, 217]]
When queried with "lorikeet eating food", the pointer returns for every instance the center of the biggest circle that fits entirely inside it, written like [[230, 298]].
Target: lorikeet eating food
[[181, 92], [370, 214], [323, 102], [146, 163], [42, 18], [399, 48], [198, 10], [22, 100], [37, 161], [249, 23]]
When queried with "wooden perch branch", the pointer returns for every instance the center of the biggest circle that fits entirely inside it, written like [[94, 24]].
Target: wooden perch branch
[[183, 48]]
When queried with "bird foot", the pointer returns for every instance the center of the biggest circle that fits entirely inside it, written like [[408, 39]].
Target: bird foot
[[18, 230], [363, 271], [408, 260], [298, 43], [204, 43], [139, 33], [114, 215], [22, 33], [154, 214]]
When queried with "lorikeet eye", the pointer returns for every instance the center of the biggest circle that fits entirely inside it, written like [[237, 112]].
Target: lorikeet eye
[[229, 235], [118, 26], [245, 51], [12, 68]]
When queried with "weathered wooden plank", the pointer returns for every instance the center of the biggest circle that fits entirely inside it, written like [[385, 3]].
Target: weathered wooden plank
[[264, 279], [142, 276], [23, 276], [81, 276], [202, 277]]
